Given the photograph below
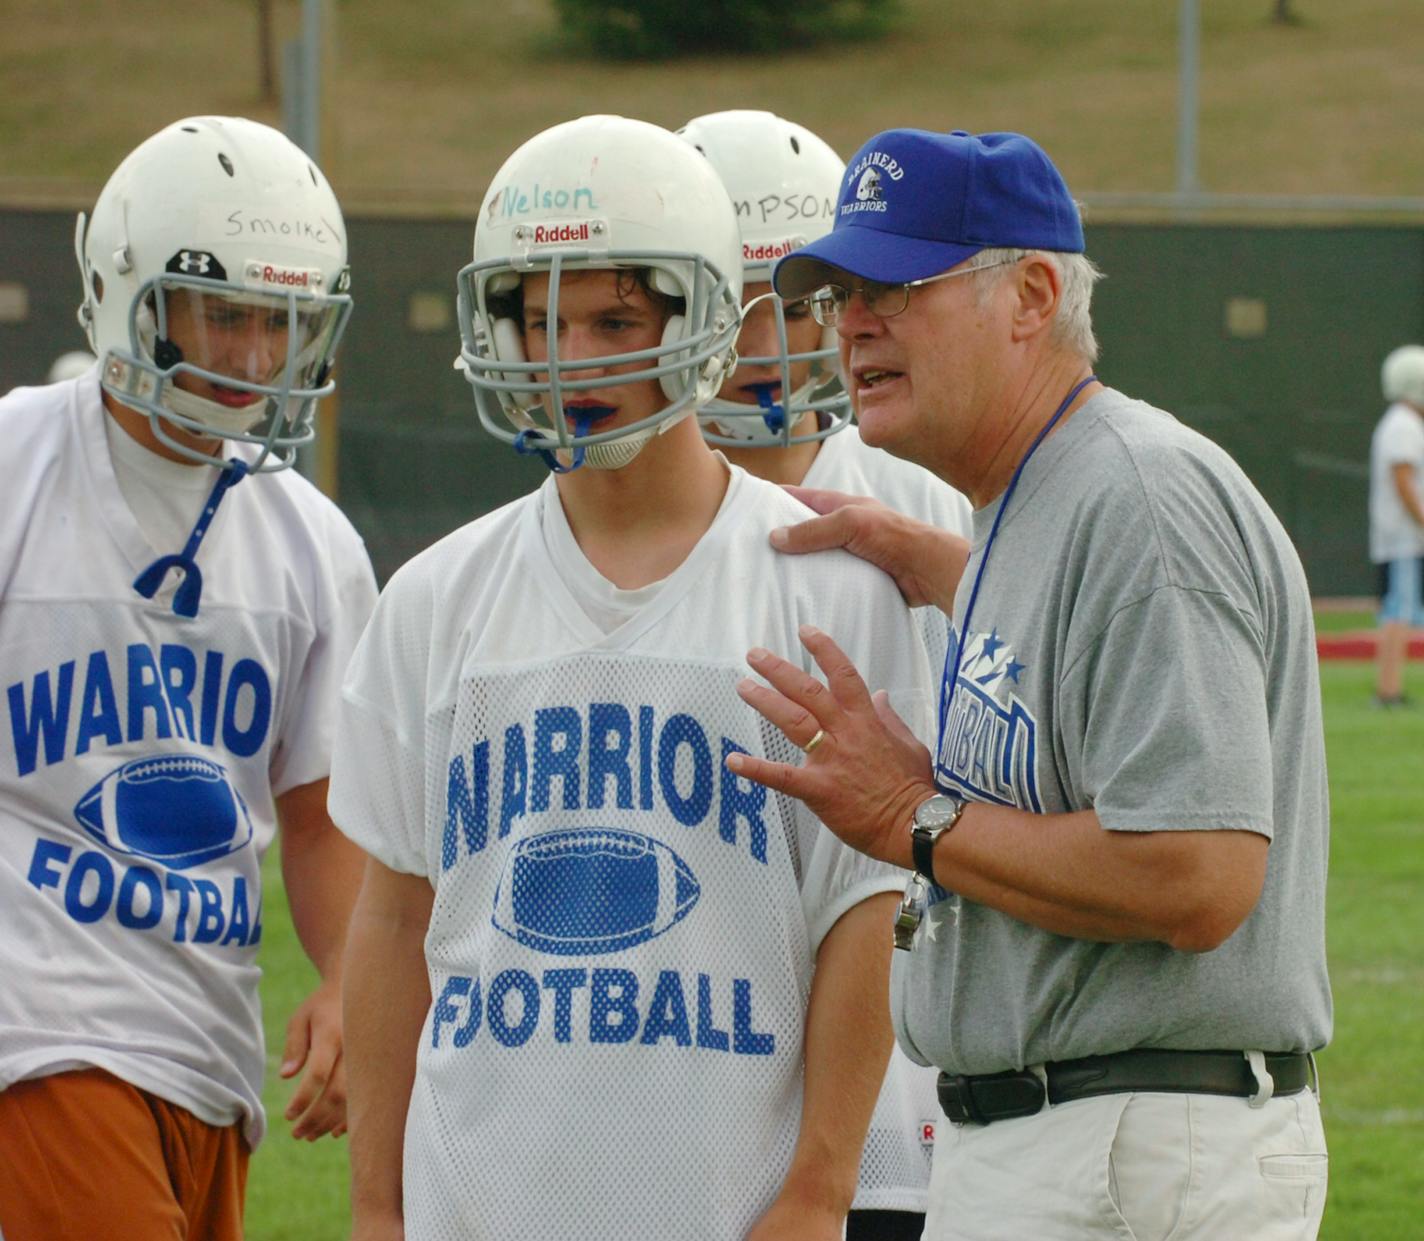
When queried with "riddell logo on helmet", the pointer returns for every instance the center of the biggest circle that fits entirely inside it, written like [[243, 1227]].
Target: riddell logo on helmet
[[273, 277], [555, 234], [770, 249]]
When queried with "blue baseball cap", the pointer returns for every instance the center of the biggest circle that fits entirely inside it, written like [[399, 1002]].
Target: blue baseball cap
[[915, 203]]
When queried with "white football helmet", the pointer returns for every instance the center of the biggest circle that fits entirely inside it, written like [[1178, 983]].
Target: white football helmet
[[221, 232], [601, 192], [1402, 375], [784, 182]]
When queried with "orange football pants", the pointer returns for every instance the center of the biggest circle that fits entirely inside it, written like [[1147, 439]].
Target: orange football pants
[[84, 1155]]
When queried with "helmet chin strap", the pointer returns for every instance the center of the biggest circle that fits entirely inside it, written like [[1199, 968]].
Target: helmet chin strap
[[611, 454], [190, 590]]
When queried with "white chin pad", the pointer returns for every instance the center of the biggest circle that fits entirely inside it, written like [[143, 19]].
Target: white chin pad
[[222, 420], [615, 454]]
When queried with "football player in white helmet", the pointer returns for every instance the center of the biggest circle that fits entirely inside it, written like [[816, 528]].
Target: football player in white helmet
[[531, 750], [786, 390], [156, 745], [215, 290], [549, 231], [784, 182]]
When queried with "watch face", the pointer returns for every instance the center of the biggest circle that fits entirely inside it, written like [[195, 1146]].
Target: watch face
[[936, 812]]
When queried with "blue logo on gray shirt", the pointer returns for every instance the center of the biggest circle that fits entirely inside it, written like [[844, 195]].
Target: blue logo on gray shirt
[[988, 740]]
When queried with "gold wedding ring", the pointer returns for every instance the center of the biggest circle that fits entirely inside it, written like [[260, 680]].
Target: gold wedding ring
[[815, 741]]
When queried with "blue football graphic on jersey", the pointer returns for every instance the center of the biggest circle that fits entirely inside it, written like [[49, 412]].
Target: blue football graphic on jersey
[[592, 890], [177, 809]]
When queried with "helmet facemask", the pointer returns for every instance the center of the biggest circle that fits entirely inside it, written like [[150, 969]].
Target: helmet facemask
[[208, 229], [783, 182], [775, 420], [600, 193], [530, 404], [217, 361]]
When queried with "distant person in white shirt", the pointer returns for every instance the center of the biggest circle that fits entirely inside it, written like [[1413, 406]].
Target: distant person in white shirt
[[1397, 515]]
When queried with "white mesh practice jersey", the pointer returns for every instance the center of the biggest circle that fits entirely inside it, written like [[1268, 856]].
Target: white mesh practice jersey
[[895, 1168], [141, 753], [623, 935]]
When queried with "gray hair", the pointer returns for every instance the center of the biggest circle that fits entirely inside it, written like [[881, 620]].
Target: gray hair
[[1073, 325]]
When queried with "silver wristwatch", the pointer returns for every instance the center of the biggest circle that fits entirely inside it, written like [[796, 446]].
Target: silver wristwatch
[[933, 817]]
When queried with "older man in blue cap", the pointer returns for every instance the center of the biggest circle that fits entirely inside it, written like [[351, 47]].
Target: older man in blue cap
[[1115, 930]]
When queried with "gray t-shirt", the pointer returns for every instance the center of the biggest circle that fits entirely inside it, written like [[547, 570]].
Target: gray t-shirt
[[1142, 645]]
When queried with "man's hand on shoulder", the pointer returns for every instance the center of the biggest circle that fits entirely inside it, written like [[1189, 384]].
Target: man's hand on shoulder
[[925, 562]]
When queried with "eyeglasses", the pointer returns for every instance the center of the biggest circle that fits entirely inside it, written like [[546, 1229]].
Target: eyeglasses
[[885, 301]]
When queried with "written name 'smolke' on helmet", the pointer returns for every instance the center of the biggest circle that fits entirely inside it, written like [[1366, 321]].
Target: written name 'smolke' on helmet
[[215, 280], [599, 193], [784, 182]]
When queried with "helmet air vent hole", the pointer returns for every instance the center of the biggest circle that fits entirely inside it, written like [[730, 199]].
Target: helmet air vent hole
[[312, 171], [226, 164], [188, 129], [795, 146], [98, 282]]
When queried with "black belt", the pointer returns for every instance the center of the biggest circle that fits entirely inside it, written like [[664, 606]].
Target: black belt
[[1021, 1092]]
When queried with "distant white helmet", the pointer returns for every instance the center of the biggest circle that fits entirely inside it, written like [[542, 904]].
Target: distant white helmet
[[784, 182], [219, 226], [69, 366], [601, 192], [1402, 375]]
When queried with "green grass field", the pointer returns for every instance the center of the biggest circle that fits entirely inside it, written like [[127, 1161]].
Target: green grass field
[[1372, 1088]]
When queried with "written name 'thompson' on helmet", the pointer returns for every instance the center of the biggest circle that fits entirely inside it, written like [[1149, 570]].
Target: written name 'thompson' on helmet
[[609, 193], [784, 182], [215, 280]]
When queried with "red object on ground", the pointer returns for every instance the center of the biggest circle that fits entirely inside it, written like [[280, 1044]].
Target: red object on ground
[[1360, 644]]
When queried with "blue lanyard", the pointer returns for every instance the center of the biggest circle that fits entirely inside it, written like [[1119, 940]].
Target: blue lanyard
[[953, 682]]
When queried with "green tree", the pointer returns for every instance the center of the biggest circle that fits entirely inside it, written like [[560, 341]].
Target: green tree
[[652, 29]]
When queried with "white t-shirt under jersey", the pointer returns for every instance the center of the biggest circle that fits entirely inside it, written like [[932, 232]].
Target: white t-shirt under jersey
[[623, 936], [142, 752], [895, 1168]]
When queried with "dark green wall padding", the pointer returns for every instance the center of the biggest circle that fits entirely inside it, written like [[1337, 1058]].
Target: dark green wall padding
[[1267, 339]]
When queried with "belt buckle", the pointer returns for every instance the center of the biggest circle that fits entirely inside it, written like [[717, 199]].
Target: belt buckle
[[956, 1097], [1003, 1096]]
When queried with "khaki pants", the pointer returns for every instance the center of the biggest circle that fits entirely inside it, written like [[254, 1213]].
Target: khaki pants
[[1134, 1167], [84, 1155]]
